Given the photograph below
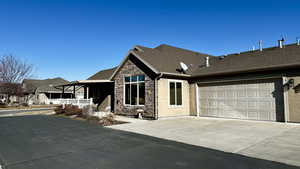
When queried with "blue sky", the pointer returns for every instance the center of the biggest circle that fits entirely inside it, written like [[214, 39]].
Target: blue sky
[[74, 39]]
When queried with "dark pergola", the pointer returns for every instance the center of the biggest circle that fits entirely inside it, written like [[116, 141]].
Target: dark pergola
[[82, 83]]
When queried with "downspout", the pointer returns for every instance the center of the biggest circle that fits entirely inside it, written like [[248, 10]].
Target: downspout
[[156, 94], [197, 100]]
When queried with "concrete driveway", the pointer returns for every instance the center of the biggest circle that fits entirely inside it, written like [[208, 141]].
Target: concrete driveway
[[265, 140], [50, 142]]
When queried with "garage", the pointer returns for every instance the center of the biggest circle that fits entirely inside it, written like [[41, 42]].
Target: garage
[[251, 100]]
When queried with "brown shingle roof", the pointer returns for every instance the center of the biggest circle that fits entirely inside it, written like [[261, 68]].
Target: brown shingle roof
[[46, 85], [103, 74], [268, 59], [166, 58]]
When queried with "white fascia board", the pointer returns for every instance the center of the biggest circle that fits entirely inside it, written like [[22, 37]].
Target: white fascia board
[[94, 81]]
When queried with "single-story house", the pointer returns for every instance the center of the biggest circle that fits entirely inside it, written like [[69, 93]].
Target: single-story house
[[168, 81], [43, 91], [11, 90]]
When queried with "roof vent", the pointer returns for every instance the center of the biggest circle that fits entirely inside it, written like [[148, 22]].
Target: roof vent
[[260, 43], [280, 43], [207, 61]]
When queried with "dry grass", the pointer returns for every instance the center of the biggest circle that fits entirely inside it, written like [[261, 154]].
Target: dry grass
[[26, 107]]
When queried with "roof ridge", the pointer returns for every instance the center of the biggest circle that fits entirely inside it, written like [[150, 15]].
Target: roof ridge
[[257, 50], [183, 49]]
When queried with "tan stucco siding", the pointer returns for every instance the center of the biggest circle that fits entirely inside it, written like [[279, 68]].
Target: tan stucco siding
[[193, 96], [164, 109], [294, 102]]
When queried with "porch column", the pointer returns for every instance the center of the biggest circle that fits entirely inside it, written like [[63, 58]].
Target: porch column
[[85, 92], [50, 95], [74, 91], [63, 91]]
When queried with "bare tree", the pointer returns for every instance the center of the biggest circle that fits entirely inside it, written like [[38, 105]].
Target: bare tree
[[12, 72]]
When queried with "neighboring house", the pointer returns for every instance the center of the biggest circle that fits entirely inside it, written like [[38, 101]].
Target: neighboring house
[[254, 85], [43, 91], [13, 90]]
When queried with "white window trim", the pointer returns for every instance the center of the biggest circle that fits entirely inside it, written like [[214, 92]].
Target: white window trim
[[176, 81], [138, 94]]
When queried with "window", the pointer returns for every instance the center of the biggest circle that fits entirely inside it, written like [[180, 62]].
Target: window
[[134, 90], [175, 89]]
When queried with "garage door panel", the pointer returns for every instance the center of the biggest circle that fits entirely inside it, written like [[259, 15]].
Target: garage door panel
[[252, 115], [244, 100]]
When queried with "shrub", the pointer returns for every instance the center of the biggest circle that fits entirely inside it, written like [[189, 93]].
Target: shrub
[[86, 112], [25, 104], [107, 120], [72, 110], [59, 110], [68, 110], [3, 105], [93, 119]]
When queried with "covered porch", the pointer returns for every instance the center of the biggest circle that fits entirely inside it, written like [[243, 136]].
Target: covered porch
[[97, 92]]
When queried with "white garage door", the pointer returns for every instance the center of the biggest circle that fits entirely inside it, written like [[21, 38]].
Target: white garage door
[[244, 100]]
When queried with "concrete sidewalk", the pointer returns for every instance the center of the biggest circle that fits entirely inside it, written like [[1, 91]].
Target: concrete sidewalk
[[266, 140]]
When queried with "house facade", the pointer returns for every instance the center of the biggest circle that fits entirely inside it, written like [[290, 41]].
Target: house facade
[[39, 91], [167, 81]]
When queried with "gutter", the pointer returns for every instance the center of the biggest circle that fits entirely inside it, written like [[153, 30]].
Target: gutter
[[175, 74], [252, 70]]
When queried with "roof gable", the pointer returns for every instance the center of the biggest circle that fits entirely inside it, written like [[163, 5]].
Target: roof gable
[[165, 59]]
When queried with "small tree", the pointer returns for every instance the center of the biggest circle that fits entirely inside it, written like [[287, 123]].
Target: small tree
[[12, 72]]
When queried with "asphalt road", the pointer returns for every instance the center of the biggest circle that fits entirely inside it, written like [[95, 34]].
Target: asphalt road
[[6, 112], [49, 142]]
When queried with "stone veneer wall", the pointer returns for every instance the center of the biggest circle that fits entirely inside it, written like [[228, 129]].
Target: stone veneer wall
[[129, 69]]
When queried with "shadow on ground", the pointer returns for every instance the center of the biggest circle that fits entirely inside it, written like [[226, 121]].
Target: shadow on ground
[[49, 142]]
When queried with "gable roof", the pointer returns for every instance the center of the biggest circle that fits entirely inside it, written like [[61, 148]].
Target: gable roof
[[251, 61], [103, 74], [166, 59], [46, 85]]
